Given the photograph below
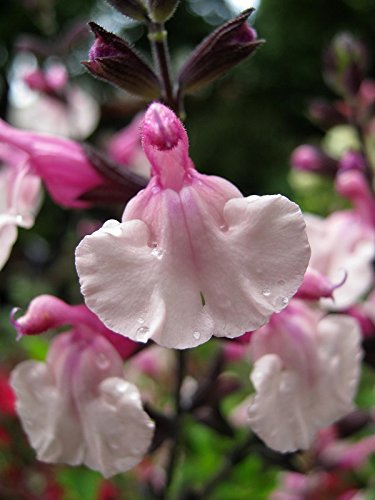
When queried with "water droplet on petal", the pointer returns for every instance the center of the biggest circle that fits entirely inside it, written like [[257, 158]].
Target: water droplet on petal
[[266, 292], [224, 227], [140, 321], [196, 335], [102, 361], [121, 387], [284, 300], [114, 445], [153, 244], [142, 334], [157, 252], [155, 190]]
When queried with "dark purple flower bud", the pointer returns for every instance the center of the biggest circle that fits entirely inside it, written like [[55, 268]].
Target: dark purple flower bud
[[135, 9], [224, 48], [112, 59], [345, 63], [325, 114], [162, 10], [313, 159], [352, 160]]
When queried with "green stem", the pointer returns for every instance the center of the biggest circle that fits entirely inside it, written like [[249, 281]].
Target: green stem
[[173, 457]]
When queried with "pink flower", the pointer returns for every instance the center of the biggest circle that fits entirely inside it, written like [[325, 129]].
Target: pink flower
[[305, 375], [54, 106], [192, 257], [125, 148], [61, 163], [77, 408], [345, 241], [20, 196]]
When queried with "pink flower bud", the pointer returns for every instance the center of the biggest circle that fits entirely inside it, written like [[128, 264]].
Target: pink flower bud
[[353, 185], [315, 286], [352, 160], [46, 312], [313, 159]]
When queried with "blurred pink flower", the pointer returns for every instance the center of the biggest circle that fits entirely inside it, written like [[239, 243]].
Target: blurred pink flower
[[125, 148], [60, 163], [344, 242], [20, 196], [306, 370], [55, 106], [192, 257]]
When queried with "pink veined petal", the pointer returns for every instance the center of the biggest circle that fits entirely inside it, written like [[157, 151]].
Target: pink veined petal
[[45, 411], [289, 408], [117, 430], [142, 290]]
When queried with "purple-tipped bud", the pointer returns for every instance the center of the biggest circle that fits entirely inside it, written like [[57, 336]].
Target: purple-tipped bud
[[325, 114], [345, 63], [313, 159], [162, 10], [132, 8], [112, 59], [221, 50]]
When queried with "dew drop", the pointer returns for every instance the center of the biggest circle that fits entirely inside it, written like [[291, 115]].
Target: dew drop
[[102, 361], [266, 292], [224, 227], [114, 445], [142, 334], [153, 244], [19, 219], [121, 387], [155, 190], [140, 321], [284, 300], [196, 335], [157, 252]]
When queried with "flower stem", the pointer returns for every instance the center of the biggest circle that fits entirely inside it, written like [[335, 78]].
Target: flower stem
[[173, 457], [160, 51]]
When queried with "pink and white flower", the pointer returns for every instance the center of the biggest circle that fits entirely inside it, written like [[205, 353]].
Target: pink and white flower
[[306, 370], [20, 196], [77, 408], [192, 257], [344, 242]]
